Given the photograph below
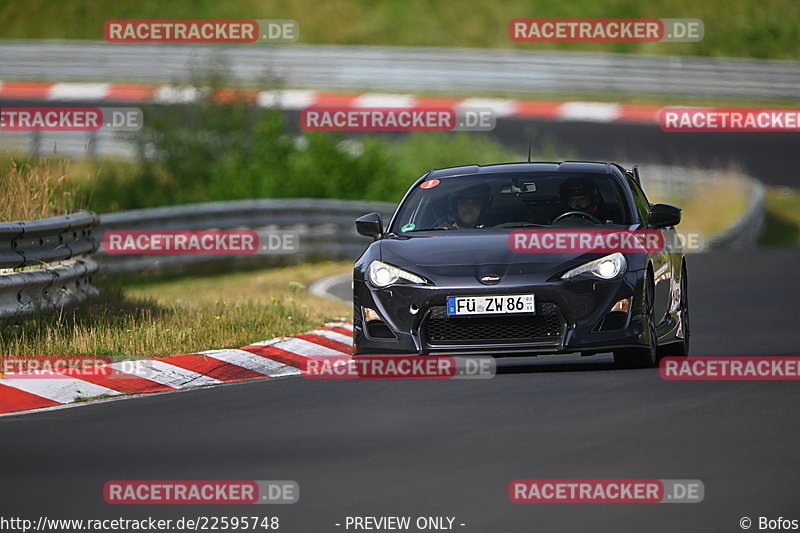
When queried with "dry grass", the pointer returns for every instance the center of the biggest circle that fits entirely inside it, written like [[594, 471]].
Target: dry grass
[[712, 206], [183, 315], [36, 189], [783, 217]]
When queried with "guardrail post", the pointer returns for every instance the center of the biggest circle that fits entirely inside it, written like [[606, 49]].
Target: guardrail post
[[91, 144], [36, 143]]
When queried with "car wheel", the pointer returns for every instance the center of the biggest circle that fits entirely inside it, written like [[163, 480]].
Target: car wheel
[[681, 348], [645, 357]]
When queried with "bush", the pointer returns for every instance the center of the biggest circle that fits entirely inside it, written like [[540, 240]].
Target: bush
[[212, 151]]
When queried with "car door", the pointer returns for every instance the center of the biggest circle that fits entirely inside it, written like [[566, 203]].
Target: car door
[[662, 264]]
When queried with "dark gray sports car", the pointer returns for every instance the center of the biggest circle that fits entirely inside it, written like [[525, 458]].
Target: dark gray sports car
[[454, 272]]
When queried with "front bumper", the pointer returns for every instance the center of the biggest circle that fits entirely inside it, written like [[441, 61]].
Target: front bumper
[[569, 317]]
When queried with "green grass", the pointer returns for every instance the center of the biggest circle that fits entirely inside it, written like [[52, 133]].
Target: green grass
[[184, 315], [736, 28], [783, 217], [380, 170]]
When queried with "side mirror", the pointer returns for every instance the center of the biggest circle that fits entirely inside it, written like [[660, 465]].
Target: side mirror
[[663, 215], [370, 225]]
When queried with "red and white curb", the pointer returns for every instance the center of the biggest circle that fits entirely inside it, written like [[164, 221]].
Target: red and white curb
[[293, 99], [282, 356]]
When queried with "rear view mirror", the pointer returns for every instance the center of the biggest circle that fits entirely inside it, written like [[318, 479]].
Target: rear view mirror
[[663, 215], [518, 189], [370, 225]]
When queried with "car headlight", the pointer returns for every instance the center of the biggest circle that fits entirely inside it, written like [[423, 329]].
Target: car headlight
[[382, 274], [608, 267]]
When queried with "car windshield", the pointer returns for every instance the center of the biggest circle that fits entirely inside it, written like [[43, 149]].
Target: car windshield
[[507, 201]]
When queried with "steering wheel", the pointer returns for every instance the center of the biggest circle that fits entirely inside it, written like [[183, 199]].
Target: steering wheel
[[580, 214], [443, 225]]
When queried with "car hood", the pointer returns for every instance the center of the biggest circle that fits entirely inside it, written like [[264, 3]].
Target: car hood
[[474, 255]]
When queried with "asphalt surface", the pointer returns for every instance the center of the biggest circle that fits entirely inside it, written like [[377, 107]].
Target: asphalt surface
[[450, 448], [769, 157]]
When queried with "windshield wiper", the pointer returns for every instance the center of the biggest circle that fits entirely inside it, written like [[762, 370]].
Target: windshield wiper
[[531, 225], [426, 229]]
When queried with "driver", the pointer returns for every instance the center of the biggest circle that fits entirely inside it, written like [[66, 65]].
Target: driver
[[581, 194], [468, 207]]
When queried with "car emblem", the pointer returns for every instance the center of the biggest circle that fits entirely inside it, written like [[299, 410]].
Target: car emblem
[[490, 280]]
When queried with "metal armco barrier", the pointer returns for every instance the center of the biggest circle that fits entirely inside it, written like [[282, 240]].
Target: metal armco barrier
[[56, 251], [326, 229], [395, 68]]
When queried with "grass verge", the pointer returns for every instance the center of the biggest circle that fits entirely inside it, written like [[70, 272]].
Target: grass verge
[[182, 315], [712, 207], [783, 217]]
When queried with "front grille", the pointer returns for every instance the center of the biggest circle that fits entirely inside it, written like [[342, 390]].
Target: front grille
[[546, 325]]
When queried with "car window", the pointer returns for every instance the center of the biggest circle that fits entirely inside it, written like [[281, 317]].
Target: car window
[[513, 200]]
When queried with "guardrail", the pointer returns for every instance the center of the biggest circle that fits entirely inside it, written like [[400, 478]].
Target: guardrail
[[746, 230], [394, 68], [325, 228], [53, 254]]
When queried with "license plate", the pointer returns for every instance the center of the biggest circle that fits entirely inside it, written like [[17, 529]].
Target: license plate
[[490, 305]]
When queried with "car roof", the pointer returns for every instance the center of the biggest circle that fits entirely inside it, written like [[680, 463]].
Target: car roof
[[589, 167]]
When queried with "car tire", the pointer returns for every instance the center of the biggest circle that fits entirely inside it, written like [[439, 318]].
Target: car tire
[[681, 348], [645, 357]]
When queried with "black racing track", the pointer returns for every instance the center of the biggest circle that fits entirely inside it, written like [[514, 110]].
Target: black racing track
[[450, 448]]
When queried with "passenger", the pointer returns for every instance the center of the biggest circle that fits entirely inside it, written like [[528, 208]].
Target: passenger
[[468, 208]]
